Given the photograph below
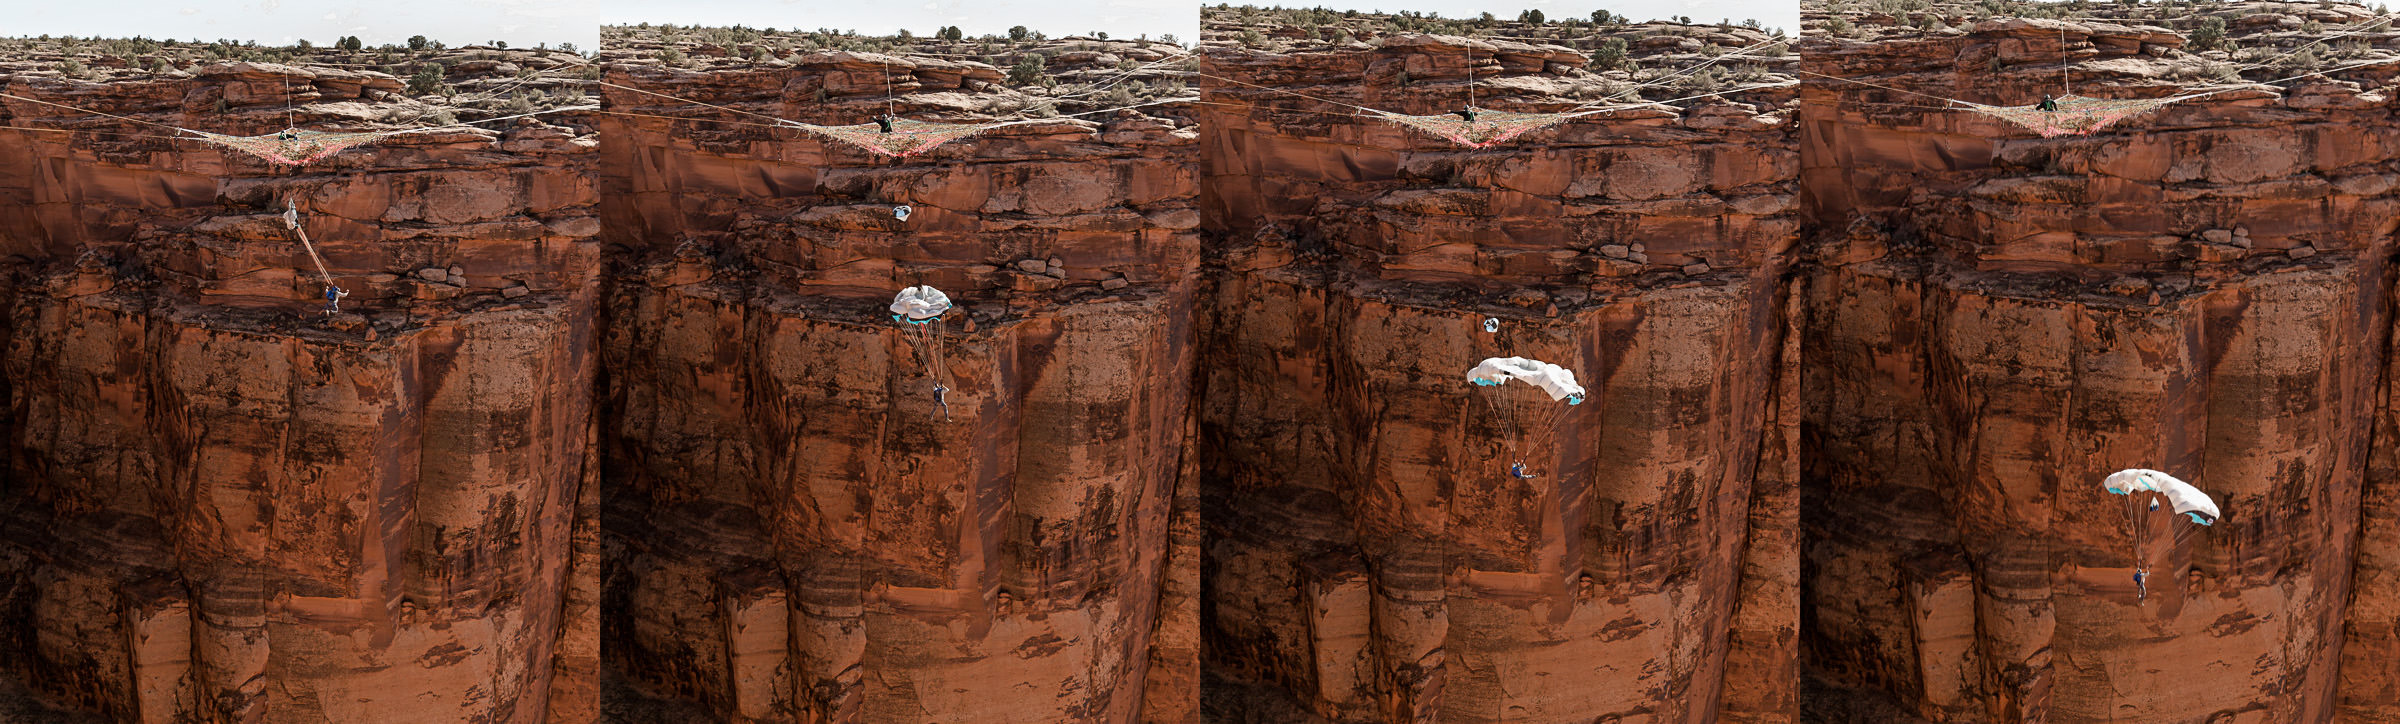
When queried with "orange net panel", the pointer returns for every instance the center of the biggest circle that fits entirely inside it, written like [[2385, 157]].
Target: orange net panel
[[1489, 128], [2076, 115], [293, 148], [908, 138]]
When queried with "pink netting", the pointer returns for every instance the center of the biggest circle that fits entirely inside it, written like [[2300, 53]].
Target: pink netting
[[1488, 129], [2076, 115], [293, 148], [908, 138]]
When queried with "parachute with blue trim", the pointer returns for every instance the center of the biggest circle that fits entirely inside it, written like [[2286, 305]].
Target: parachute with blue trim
[[921, 308], [2181, 496], [921, 304], [1552, 379], [1519, 413], [2157, 503]]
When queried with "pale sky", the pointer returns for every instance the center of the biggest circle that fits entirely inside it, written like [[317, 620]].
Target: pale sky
[[520, 23], [1118, 18]]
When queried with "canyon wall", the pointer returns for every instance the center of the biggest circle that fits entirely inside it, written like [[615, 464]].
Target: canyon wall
[[225, 506], [1201, 404], [799, 530], [1997, 321], [1369, 556]]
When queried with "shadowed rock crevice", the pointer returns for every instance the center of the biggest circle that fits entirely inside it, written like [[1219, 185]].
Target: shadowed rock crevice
[[1997, 321], [1369, 557], [798, 530], [224, 505]]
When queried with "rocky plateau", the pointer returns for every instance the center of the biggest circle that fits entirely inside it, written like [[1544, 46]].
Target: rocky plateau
[[224, 505], [1368, 556], [1997, 320]]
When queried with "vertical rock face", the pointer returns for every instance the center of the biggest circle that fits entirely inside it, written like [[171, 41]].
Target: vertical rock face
[[228, 507], [799, 529], [1999, 321], [1369, 556]]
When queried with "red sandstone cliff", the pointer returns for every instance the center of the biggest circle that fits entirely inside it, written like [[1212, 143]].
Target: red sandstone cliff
[[1996, 321], [796, 532], [1368, 557], [222, 507]]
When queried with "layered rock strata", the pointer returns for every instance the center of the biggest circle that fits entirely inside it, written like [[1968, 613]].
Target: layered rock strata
[[1369, 556], [800, 530], [226, 506], [1996, 321]]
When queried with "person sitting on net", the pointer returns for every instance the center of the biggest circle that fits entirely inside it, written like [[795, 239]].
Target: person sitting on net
[[884, 123], [2048, 104], [1467, 113]]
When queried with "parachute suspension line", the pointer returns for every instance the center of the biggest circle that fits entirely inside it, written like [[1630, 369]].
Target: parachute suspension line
[[2147, 492], [916, 343], [291, 119], [926, 340], [1500, 400], [1470, 78], [891, 107], [925, 350], [914, 335], [2132, 531], [941, 366], [1515, 430], [2141, 531], [1510, 431], [2063, 79], [1555, 383], [2145, 515], [1500, 403], [938, 365], [1516, 421], [922, 306], [1477, 350], [2184, 529]]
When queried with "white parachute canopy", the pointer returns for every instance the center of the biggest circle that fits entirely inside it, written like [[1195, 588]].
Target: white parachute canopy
[[1556, 380], [916, 305], [2186, 499]]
